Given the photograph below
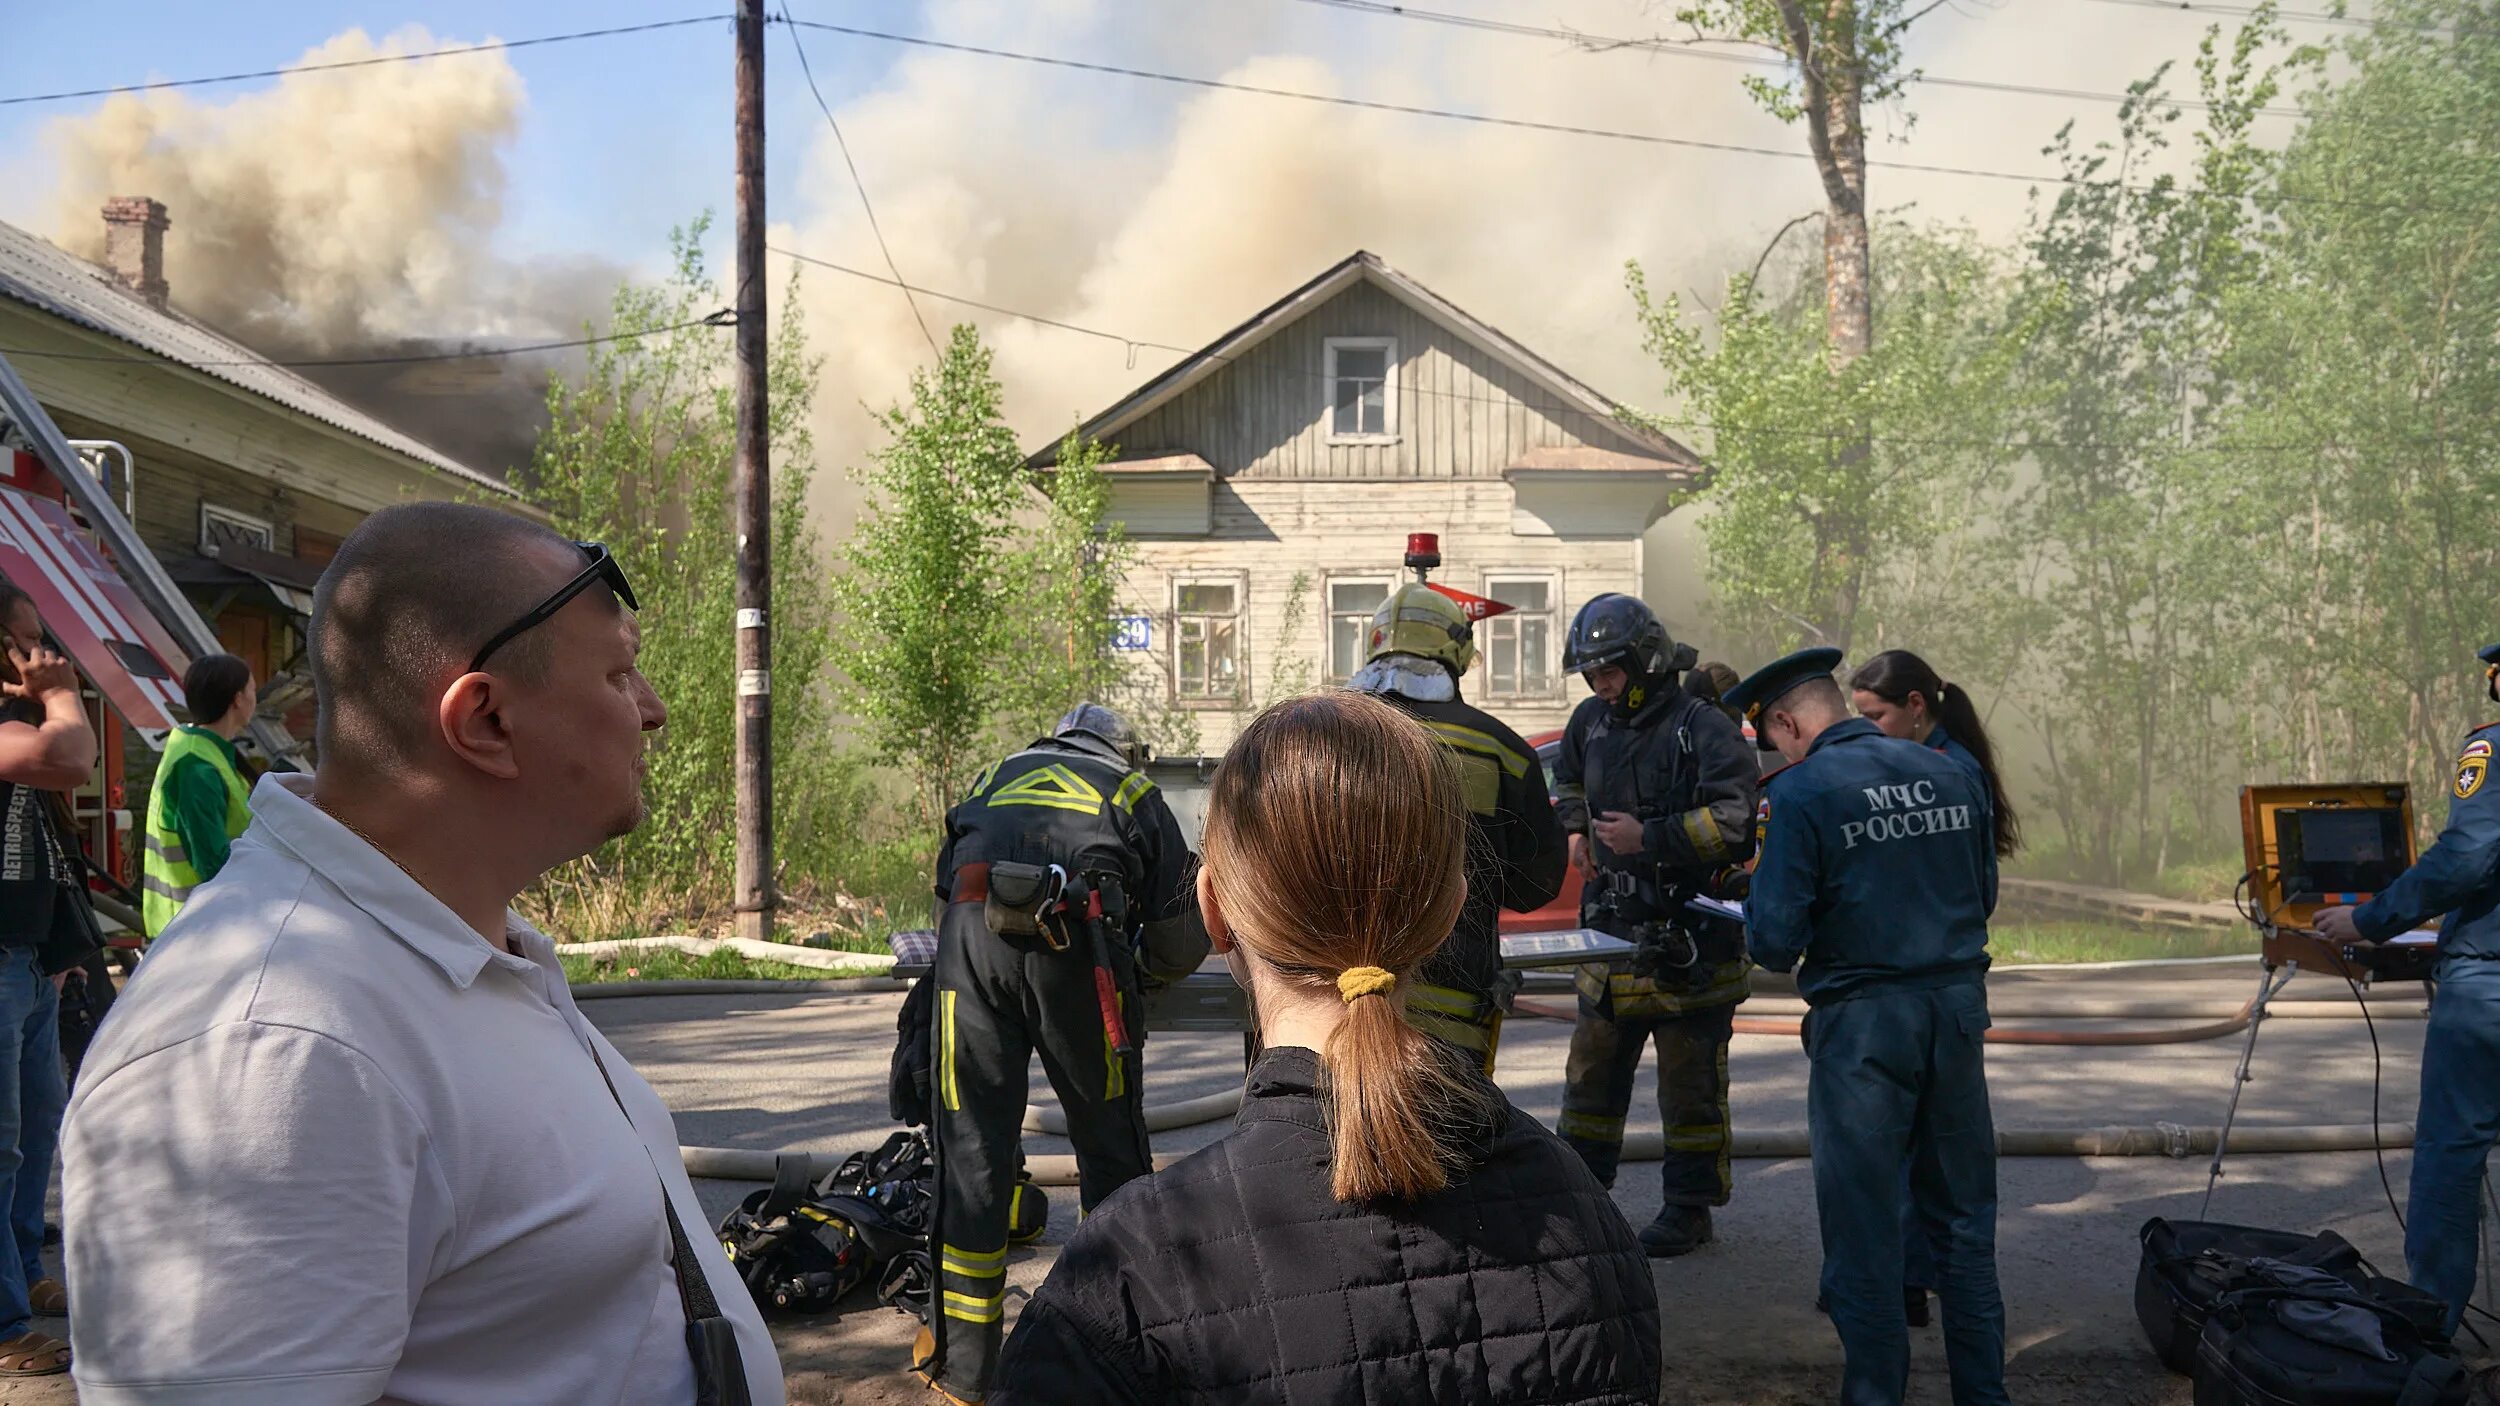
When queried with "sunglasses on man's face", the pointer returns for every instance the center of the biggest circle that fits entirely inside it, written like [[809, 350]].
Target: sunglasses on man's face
[[602, 567]]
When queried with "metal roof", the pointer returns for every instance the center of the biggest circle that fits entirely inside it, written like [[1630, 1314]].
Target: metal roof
[[43, 276]]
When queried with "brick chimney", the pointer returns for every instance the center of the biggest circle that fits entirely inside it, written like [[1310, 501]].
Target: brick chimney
[[134, 245]]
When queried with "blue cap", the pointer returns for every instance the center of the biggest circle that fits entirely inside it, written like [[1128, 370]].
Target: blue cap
[[2490, 654], [1772, 682]]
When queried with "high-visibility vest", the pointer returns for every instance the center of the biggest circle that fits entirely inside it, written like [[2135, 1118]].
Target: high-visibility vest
[[166, 873]]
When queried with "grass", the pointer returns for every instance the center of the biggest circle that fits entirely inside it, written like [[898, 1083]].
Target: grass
[[2111, 942], [661, 964]]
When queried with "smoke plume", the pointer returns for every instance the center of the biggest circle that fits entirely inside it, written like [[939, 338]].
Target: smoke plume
[[347, 213]]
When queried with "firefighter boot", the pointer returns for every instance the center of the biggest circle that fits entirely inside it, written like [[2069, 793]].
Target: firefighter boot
[[923, 1355], [1679, 1230]]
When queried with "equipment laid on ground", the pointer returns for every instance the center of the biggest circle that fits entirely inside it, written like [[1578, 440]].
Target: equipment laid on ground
[[2309, 848], [2276, 1318], [803, 1249]]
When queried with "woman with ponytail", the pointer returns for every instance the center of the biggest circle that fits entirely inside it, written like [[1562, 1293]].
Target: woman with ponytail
[[1380, 1225], [1901, 693]]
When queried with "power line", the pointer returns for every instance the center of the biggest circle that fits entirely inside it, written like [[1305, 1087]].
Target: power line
[[1644, 418], [722, 318], [1597, 43], [862, 187], [1573, 129], [2241, 11], [455, 51]]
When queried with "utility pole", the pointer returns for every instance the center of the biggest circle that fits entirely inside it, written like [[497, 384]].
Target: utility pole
[[751, 502]]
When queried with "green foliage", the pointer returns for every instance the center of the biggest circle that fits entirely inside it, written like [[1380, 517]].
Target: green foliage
[[638, 455], [1863, 37], [1809, 539], [2365, 432], [2131, 518], [929, 590]]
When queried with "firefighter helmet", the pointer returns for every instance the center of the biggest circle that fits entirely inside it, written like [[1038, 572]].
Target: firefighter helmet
[[1622, 631], [1418, 620], [1107, 727]]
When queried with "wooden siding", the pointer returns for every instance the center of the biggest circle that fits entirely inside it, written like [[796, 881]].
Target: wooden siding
[[1462, 413], [1268, 532]]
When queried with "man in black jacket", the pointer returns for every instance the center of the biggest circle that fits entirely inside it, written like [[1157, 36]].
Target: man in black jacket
[[1420, 645], [1063, 860], [1658, 790]]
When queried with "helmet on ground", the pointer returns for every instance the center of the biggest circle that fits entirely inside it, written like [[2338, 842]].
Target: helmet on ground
[[1420, 621], [1619, 630], [1109, 728]]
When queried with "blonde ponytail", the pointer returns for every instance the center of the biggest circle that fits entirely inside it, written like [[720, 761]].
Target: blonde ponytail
[[1335, 841]]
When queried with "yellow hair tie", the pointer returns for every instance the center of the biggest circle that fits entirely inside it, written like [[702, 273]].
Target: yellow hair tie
[[1355, 983]]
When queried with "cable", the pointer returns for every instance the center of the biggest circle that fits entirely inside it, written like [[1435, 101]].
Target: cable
[[860, 186], [490, 46], [2377, 1069], [723, 318], [1573, 129], [2244, 11], [1598, 43]]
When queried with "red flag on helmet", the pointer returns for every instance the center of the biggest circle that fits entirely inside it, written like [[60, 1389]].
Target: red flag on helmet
[[1476, 607]]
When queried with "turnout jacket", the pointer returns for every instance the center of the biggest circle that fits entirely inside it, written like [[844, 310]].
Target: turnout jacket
[[1515, 852], [1684, 768], [1076, 805], [1878, 869], [1235, 1276], [2459, 875]]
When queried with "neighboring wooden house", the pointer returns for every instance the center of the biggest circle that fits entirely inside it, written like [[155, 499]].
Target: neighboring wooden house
[[247, 475], [1269, 481]]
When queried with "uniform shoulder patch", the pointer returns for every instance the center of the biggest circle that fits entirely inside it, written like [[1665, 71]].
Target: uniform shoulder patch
[[2472, 767]]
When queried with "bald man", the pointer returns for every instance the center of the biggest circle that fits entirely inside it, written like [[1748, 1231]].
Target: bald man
[[346, 1137]]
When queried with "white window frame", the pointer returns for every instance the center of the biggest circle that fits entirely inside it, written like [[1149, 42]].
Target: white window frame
[[1240, 583], [1388, 583], [219, 512], [1388, 348], [1490, 583]]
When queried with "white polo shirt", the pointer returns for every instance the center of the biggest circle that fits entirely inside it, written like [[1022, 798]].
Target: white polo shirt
[[332, 1146]]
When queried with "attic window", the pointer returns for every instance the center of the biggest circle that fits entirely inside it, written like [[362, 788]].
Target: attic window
[[221, 526], [1362, 388]]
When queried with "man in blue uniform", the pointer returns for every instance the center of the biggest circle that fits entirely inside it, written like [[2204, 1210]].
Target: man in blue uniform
[[1876, 879], [2459, 1117]]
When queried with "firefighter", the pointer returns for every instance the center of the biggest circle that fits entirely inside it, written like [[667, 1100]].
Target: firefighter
[[1657, 789], [1421, 644], [1063, 875], [1875, 883]]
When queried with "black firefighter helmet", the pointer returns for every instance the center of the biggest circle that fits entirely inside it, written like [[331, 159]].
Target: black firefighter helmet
[[1622, 631], [1107, 727]]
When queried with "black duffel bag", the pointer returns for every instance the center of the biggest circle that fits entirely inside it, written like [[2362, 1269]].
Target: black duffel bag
[[2187, 1265], [2327, 1343]]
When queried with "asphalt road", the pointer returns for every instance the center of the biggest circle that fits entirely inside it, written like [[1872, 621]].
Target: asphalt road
[[810, 1072]]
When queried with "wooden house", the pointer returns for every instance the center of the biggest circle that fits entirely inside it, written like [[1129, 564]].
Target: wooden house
[[1268, 483], [241, 476]]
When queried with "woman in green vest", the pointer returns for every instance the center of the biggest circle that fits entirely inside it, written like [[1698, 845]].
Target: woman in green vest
[[200, 801]]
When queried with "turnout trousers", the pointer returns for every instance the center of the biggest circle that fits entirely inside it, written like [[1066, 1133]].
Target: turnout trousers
[[1898, 1078], [2453, 1131], [1606, 1048], [999, 1001]]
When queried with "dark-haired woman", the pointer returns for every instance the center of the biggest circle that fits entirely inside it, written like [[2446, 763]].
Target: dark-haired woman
[[1902, 694], [1381, 1225]]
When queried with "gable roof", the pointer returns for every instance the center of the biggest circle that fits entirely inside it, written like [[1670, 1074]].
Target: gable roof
[[1365, 266], [50, 279]]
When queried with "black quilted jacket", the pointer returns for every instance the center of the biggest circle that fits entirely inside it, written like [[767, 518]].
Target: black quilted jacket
[[1235, 1277]]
